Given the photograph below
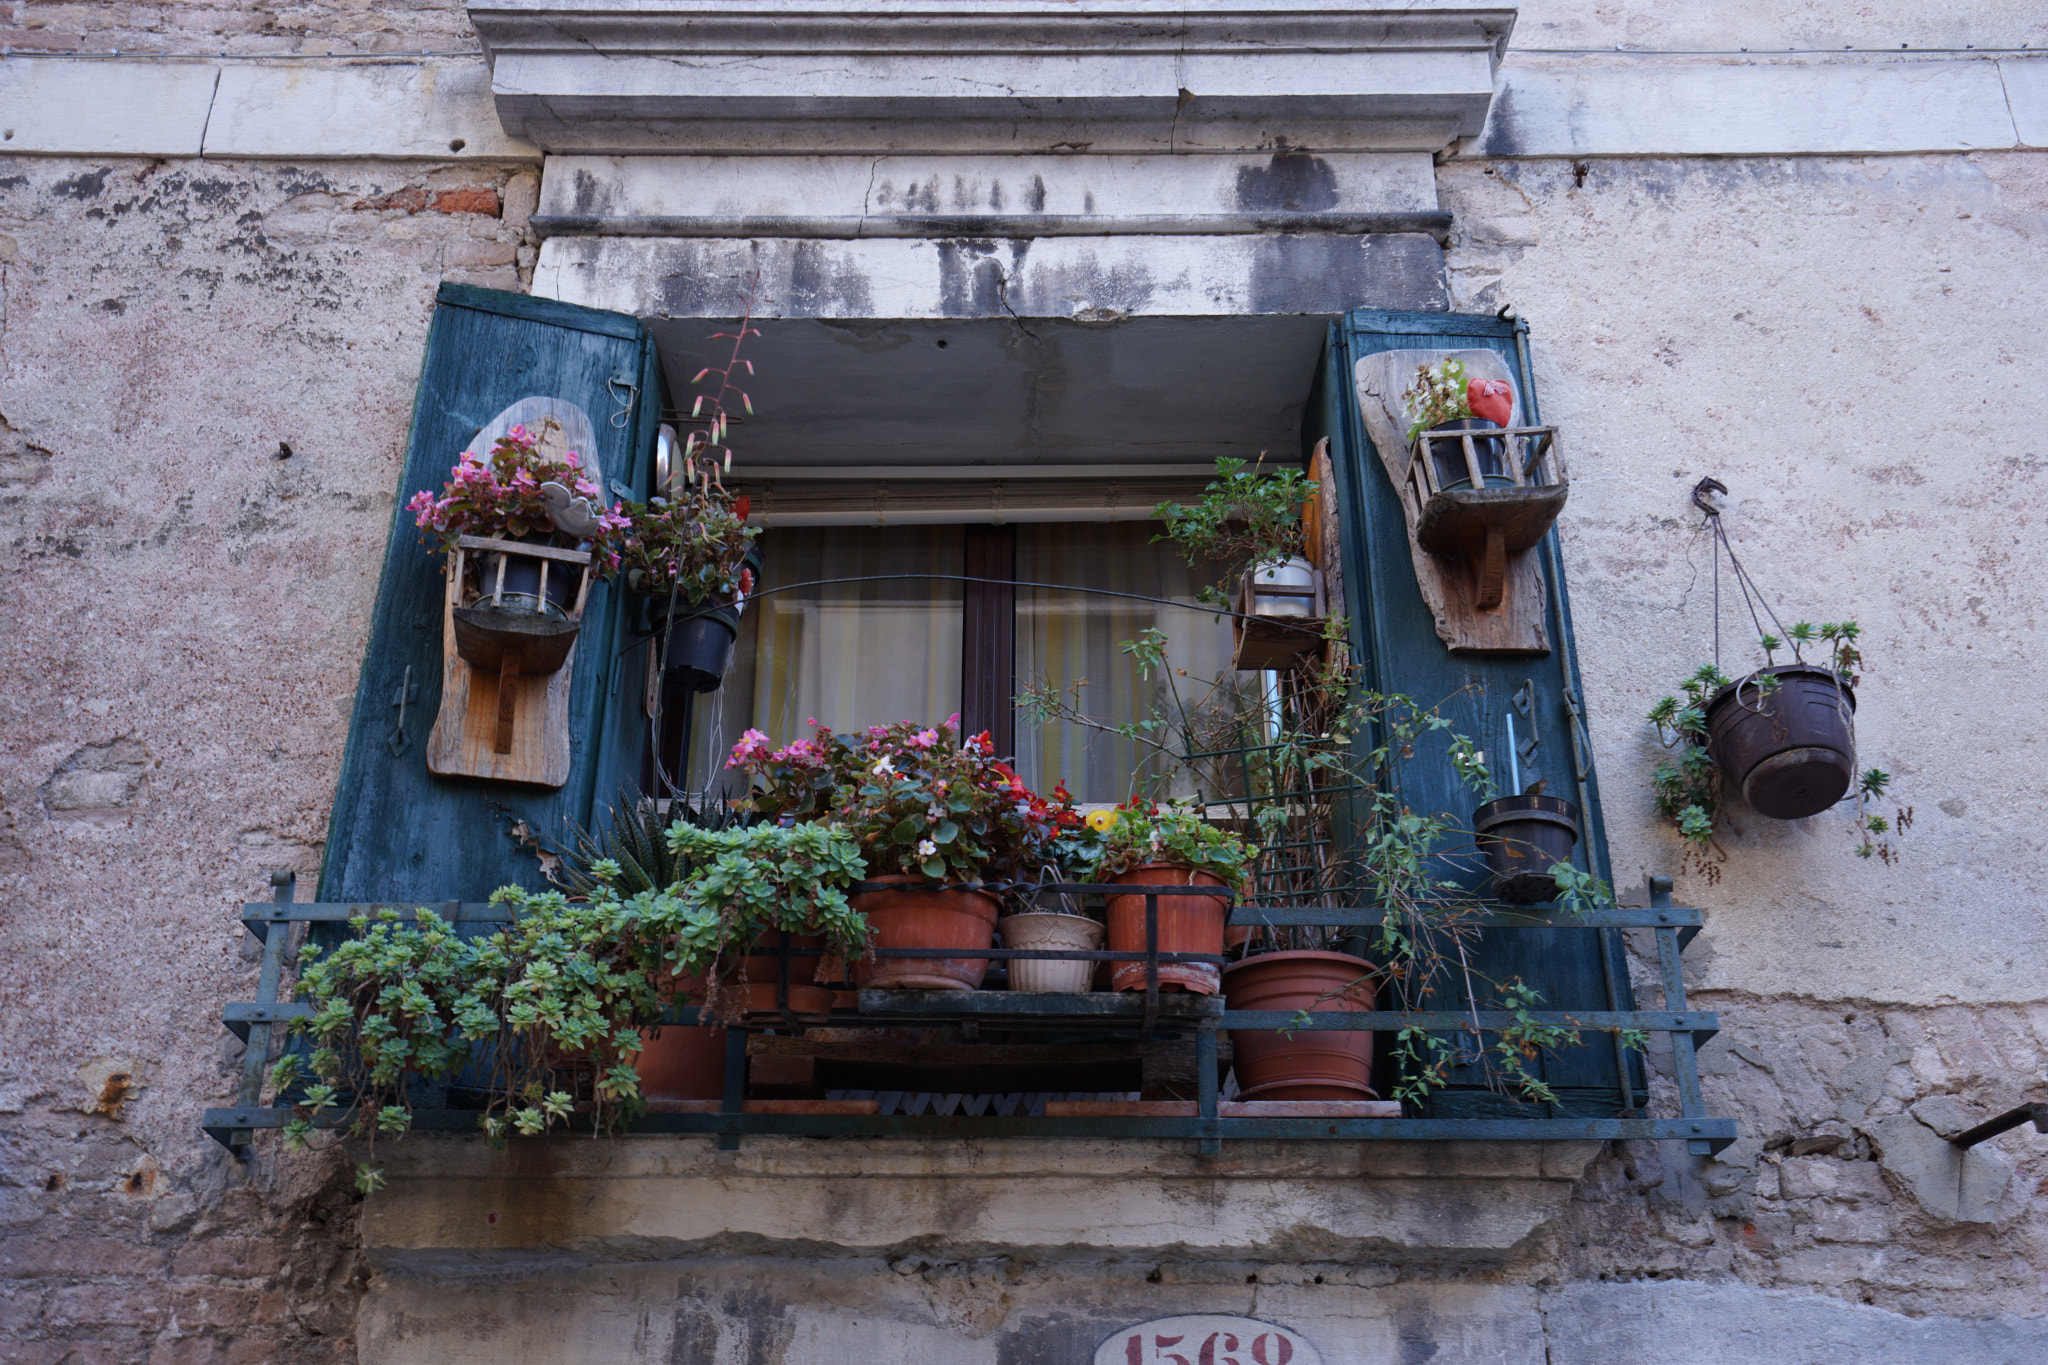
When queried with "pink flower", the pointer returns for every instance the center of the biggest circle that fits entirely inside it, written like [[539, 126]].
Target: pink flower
[[924, 739], [953, 723], [753, 747]]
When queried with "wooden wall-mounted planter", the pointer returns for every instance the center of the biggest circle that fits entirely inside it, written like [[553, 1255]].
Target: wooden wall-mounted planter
[[1263, 641], [505, 675], [1478, 518], [1486, 595], [505, 672]]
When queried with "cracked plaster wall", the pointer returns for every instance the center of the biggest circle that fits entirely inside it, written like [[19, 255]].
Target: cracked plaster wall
[[206, 372]]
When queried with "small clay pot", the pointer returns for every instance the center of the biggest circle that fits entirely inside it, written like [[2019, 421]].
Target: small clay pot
[[764, 969], [1789, 749], [910, 912], [1306, 1064], [1187, 924], [682, 1061]]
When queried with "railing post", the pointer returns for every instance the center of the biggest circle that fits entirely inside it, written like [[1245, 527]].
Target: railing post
[[1205, 1087], [734, 1101], [256, 1052], [1684, 1059], [1151, 962]]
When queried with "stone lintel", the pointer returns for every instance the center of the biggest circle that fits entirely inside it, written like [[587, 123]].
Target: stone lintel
[[782, 76], [1087, 279], [989, 196]]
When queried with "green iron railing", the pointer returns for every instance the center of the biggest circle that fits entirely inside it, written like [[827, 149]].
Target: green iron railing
[[258, 1024]]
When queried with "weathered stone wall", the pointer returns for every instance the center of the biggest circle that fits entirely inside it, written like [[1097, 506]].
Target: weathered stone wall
[[206, 374], [240, 29]]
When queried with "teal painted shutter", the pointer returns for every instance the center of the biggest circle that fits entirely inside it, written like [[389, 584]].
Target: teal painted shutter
[[1395, 639], [398, 833]]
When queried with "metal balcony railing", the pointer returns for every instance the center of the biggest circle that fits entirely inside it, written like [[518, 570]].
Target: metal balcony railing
[[1144, 1013]]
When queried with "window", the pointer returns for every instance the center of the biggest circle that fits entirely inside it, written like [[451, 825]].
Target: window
[[864, 625]]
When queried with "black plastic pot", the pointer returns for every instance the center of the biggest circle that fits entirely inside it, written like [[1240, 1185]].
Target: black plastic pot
[[700, 645], [1489, 451], [1523, 838], [522, 584], [1789, 749]]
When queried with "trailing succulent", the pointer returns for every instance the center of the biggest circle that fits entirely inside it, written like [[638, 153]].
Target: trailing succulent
[[544, 1015]]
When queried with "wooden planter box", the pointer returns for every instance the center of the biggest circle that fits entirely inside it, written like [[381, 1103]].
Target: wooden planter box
[[1264, 642]]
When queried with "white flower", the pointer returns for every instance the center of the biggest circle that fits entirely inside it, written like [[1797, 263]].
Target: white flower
[[884, 768], [927, 849]]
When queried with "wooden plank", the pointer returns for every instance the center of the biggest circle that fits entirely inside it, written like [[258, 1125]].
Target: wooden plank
[[398, 832], [855, 1107], [1120, 1006], [1228, 1109]]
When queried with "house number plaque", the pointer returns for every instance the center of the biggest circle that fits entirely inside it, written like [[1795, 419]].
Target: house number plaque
[[1206, 1339]]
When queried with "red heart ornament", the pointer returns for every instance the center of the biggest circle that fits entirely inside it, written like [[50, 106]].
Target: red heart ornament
[[1492, 399]]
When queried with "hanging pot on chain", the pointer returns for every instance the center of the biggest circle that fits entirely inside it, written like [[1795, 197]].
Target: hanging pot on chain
[[1785, 737]]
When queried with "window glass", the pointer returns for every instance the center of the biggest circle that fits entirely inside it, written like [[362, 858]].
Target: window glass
[[1065, 635], [888, 647], [848, 653]]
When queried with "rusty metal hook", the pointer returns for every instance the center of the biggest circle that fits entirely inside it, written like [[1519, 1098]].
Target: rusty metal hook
[[1703, 491]]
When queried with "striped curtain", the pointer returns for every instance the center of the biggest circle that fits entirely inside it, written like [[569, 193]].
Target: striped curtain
[[1065, 634], [849, 654]]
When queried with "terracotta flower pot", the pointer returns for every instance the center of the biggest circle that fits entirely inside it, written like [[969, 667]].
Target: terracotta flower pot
[[905, 914], [764, 966], [1187, 924], [1311, 1064], [1050, 931], [1790, 750], [682, 1062]]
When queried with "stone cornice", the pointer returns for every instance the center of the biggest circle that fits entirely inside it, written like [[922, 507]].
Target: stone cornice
[[878, 76]]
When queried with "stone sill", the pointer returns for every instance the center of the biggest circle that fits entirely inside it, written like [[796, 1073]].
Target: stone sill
[[636, 1198]]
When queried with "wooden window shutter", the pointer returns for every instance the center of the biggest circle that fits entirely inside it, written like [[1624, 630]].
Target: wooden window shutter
[[1395, 639], [398, 833]]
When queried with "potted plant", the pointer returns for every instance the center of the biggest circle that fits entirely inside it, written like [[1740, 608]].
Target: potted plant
[[1069, 927], [1784, 736], [1250, 522], [692, 557], [1308, 1064], [1443, 398], [934, 819], [1144, 844], [520, 606]]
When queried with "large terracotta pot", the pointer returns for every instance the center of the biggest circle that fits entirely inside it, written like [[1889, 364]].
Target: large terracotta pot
[[910, 913], [681, 1062], [1187, 924], [764, 966], [1309, 1064], [1050, 931]]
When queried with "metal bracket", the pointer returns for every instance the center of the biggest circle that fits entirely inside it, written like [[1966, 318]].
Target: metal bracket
[[1524, 702], [408, 692], [2010, 1119]]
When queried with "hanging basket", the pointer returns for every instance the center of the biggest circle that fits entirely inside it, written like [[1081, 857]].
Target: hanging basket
[[1785, 737]]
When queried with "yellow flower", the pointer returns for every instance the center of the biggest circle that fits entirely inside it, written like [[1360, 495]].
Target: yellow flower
[[1101, 820]]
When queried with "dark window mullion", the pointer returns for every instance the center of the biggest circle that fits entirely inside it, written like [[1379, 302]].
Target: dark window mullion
[[988, 636]]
